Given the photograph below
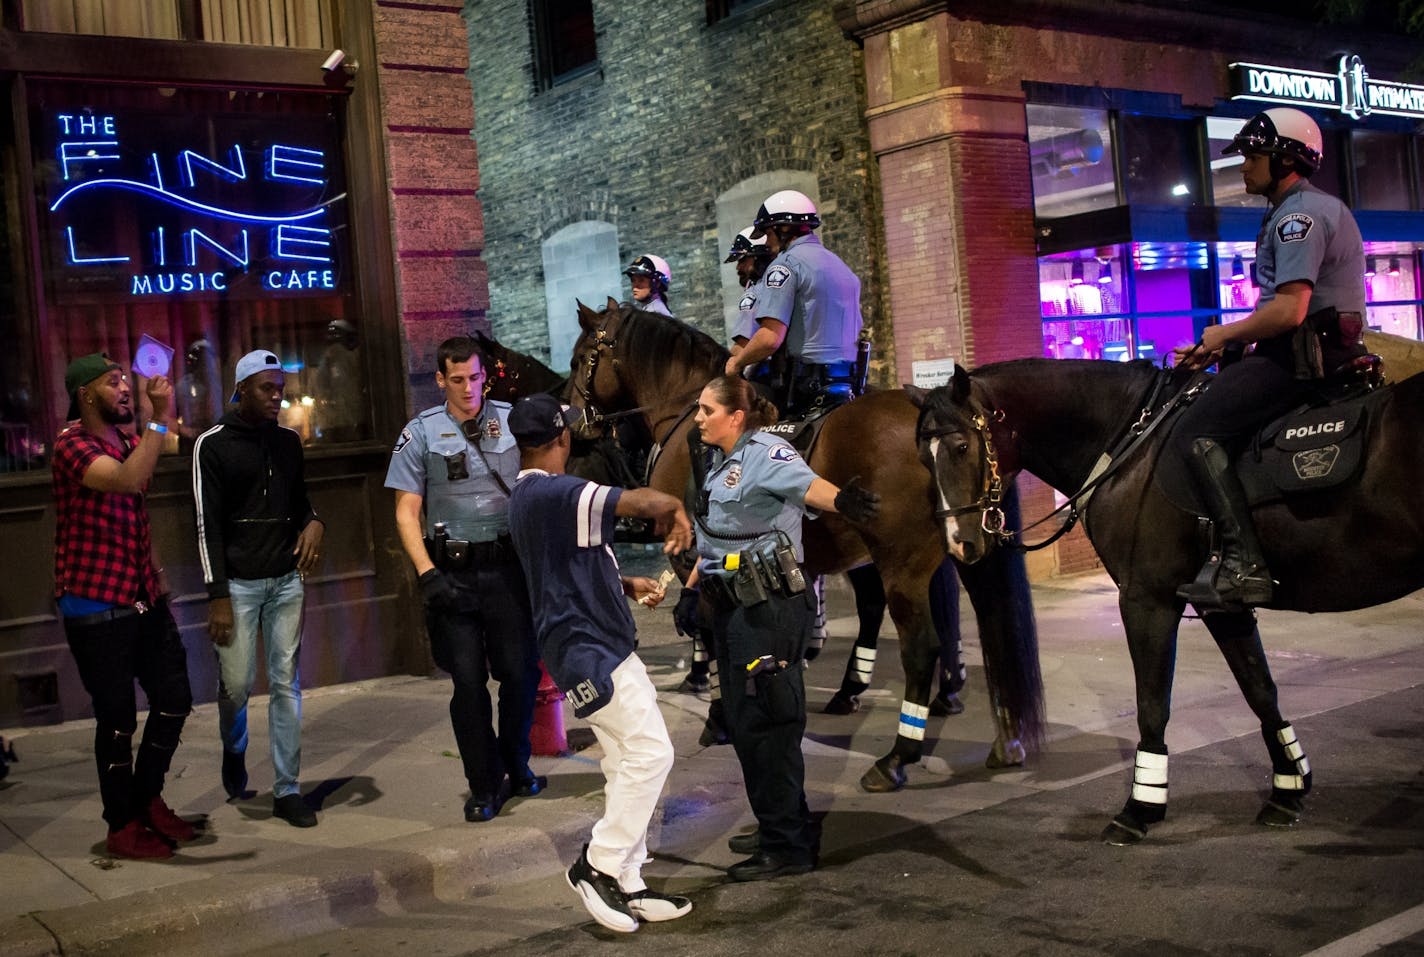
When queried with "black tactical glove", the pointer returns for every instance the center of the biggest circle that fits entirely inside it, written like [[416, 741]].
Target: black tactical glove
[[857, 503], [684, 613], [437, 591]]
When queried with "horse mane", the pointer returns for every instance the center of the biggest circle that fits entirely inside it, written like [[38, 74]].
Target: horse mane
[[667, 351]]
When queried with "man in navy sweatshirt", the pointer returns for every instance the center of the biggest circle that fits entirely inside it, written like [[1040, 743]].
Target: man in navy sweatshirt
[[258, 537]]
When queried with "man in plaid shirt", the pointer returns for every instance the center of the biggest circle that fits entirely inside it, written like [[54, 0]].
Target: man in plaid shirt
[[113, 600]]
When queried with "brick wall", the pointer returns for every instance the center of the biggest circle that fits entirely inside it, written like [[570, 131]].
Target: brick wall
[[433, 170], [680, 112]]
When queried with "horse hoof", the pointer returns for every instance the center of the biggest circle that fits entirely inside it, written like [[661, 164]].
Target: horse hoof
[[842, 704], [1002, 755], [1278, 815], [945, 705], [1119, 834], [880, 781]]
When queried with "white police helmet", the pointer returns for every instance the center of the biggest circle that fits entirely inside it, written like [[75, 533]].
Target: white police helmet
[[786, 208], [654, 267], [744, 245], [1281, 131]]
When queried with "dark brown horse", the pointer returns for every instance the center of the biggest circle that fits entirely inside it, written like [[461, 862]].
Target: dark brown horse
[[628, 361], [1357, 545]]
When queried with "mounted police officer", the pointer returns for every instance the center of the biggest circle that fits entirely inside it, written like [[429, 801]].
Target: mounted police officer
[[456, 462], [752, 256], [1310, 264], [810, 300], [649, 276]]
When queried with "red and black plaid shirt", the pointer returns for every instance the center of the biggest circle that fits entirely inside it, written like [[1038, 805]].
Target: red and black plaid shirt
[[102, 549]]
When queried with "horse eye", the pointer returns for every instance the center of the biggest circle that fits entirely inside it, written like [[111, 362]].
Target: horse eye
[[962, 448]]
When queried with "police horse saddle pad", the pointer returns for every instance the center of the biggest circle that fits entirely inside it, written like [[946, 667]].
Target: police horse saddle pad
[[802, 433], [1311, 449]]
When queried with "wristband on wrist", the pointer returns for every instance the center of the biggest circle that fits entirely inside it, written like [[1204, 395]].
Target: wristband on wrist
[[158, 427]]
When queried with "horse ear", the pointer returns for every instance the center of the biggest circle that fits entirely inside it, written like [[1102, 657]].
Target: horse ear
[[916, 395], [612, 306], [483, 339], [959, 385], [588, 319]]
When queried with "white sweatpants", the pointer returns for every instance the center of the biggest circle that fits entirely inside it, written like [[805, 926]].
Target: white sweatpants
[[637, 756]]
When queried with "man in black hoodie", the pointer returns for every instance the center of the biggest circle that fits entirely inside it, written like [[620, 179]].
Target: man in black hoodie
[[257, 539]]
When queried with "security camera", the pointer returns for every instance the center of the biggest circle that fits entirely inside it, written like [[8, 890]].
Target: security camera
[[334, 61]]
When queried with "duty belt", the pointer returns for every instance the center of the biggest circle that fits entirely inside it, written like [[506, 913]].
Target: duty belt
[[461, 554]]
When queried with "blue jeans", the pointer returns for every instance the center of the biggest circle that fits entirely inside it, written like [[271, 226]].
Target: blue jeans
[[274, 605]]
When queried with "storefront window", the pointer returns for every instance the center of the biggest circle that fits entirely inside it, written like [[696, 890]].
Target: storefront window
[[181, 228], [1382, 178], [1392, 289], [278, 23], [1237, 290], [1070, 152], [23, 442], [1160, 160]]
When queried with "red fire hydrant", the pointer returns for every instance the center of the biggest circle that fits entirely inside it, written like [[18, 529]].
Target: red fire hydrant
[[546, 736]]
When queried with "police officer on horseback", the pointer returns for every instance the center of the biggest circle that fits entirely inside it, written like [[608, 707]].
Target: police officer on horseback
[[752, 257], [649, 276], [1310, 265], [809, 300]]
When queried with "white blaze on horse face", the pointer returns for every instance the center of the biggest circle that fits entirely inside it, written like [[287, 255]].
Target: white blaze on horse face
[[951, 525]]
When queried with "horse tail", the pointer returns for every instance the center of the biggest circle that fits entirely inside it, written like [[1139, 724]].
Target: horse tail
[[1008, 632]]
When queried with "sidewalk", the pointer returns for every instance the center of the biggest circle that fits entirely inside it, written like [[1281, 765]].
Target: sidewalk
[[379, 766]]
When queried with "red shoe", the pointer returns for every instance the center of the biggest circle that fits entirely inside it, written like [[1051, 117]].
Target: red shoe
[[160, 817], [138, 842]]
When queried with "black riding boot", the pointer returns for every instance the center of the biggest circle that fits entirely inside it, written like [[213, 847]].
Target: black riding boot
[[1238, 577]]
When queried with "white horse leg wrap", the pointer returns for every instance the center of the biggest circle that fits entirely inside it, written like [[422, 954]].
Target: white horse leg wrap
[[1291, 745], [1149, 778], [863, 664], [818, 629], [912, 720]]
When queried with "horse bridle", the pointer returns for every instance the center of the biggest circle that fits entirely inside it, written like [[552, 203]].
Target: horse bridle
[[991, 485], [592, 416]]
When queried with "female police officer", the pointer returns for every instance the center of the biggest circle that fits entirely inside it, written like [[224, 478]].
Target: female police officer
[[749, 545]]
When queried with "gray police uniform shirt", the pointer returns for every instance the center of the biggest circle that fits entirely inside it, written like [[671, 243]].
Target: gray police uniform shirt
[[654, 304], [759, 489], [817, 297], [1312, 236], [747, 325], [433, 459]]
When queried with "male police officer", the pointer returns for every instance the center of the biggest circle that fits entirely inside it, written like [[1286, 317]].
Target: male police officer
[[752, 256], [457, 461], [809, 299], [1310, 264], [650, 276]]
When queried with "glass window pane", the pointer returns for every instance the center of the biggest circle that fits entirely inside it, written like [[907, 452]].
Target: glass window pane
[[212, 221], [23, 435], [1160, 165], [157, 19], [1392, 289], [274, 23], [1381, 170], [1070, 151], [1237, 291], [1227, 188]]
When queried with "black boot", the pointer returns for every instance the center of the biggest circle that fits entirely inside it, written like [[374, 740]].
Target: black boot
[[1238, 577]]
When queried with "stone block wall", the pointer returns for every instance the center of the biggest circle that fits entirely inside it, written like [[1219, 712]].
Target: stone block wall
[[678, 113]]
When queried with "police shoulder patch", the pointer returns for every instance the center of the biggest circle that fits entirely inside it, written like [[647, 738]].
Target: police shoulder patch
[[783, 453], [1294, 227], [776, 277], [747, 302], [404, 440]]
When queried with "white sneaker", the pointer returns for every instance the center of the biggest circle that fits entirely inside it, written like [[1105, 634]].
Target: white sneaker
[[601, 896], [652, 906]]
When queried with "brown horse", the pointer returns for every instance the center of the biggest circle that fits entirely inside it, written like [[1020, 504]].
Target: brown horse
[[631, 362]]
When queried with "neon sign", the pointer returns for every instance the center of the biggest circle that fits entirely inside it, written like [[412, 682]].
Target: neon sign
[[255, 212], [1350, 89]]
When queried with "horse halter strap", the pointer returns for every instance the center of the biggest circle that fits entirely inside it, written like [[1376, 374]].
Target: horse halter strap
[[601, 341], [991, 485]]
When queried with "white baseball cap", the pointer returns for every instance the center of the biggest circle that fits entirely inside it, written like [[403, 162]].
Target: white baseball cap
[[258, 360]]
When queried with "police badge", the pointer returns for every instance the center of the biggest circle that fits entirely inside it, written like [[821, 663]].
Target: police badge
[[734, 476], [492, 429]]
